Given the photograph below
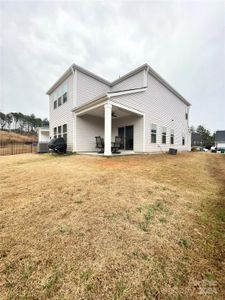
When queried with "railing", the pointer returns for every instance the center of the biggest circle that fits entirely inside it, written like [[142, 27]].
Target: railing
[[11, 148]]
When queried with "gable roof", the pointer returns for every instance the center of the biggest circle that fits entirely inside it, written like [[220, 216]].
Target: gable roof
[[120, 79], [220, 136]]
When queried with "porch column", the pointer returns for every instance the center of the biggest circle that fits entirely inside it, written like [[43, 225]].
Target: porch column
[[108, 128]]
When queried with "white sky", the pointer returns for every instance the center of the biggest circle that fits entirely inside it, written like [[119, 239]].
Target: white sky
[[184, 41]]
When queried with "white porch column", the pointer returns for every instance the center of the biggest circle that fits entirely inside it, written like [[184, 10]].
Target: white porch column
[[108, 128]]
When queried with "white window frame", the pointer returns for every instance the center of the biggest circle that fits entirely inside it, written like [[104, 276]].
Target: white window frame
[[164, 129], [154, 128]]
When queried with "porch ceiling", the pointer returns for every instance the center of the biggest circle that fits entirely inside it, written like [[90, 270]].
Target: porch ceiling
[[116, 112]]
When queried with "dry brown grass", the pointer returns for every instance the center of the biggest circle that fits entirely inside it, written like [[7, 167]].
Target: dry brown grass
[[140, 227], [15, 137]]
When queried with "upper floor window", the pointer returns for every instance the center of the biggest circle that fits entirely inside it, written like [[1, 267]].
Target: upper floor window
[[171, 136], [163, 135], [64, 97], [59, 101], [186, 116], [55, 104], [153, 133]]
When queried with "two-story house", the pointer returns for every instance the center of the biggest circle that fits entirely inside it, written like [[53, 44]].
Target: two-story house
[[141, 107]]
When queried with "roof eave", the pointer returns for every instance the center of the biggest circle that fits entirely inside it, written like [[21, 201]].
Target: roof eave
[[60, 80], [69, 71]]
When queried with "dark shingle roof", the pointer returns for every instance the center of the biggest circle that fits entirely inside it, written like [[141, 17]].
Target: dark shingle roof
[[220, 136]]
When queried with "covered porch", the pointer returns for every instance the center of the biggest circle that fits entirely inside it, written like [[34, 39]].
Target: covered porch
[[108, 120]]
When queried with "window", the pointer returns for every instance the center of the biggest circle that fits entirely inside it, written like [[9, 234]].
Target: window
[[59, 101], [65, 132], [186, 116], [153, 133], [59, 131], [55, 132], [64, 97], [171, 136], [55, 104], [163, 135], [183, 140]]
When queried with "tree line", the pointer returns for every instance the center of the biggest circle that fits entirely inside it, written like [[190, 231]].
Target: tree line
[[207, 138], [18, 122]]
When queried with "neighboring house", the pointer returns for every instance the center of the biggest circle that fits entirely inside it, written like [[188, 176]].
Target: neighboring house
[[220, 139], [43, 134], [43, 139], [196, 139], [140, 106]]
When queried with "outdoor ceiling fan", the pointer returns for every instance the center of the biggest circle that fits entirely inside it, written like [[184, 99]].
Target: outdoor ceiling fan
[[114, 115]]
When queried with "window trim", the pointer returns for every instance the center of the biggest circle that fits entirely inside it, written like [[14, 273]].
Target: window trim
[[171, 137], [60, 101], [153, 133], [55, 104], [64, 96], [64, 132], [163, 135]]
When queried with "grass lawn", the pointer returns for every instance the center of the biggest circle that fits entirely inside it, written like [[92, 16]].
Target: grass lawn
[[136, 227]]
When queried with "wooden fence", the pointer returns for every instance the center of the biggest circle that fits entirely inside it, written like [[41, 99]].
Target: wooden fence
[[11, 148]]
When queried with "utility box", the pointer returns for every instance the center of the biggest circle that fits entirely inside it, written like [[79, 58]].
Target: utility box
[[172, 151]]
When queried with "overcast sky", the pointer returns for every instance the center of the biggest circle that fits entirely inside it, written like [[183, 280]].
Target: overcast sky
[[184, 41]]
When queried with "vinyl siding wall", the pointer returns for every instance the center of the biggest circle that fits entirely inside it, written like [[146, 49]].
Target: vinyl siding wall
[[88, 88], [160, 107], [87, 128], [136, 81], [62, 114]]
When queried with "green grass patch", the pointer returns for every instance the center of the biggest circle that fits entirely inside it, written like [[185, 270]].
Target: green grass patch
[[149, 211]]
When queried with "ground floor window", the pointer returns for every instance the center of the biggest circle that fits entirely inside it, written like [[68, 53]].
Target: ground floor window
[[163, 135], [65, 132], [153, 133], [183, 140], [171, 136], [61, 131], [55, 132]]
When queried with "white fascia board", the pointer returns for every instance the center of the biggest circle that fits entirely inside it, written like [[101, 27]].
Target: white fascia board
[[115, 94], [85, 110]]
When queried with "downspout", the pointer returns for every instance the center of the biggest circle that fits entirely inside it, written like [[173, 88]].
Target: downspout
[[74, 100], [144, 118]]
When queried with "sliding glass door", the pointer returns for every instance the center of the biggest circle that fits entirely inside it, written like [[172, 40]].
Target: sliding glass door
[[127, 134]]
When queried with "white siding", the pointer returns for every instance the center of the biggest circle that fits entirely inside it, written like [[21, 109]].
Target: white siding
[[160, 107], [62, 114], [135, 81], [88, 127], [88, 88]]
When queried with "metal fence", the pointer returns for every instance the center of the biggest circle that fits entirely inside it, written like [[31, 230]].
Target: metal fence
[[11, 148]]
